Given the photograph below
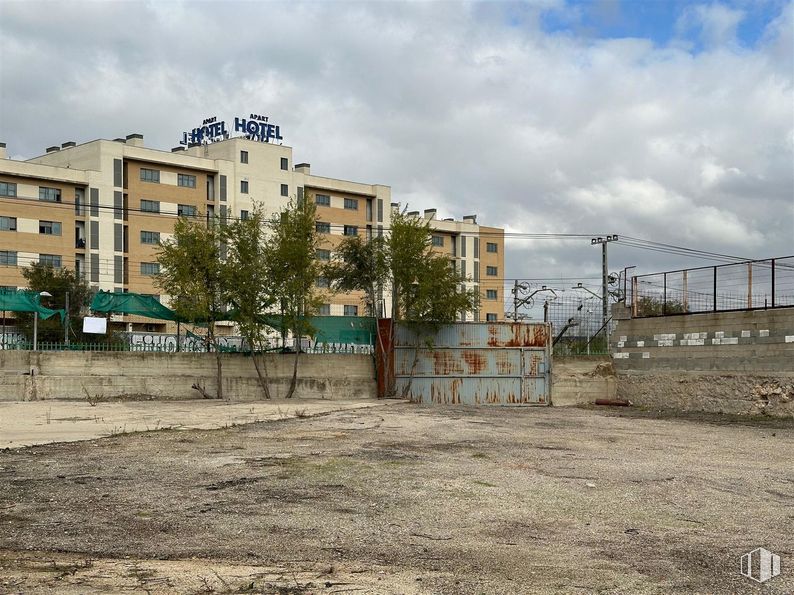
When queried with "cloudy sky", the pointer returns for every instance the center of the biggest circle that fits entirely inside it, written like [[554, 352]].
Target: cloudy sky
[[655, 119]]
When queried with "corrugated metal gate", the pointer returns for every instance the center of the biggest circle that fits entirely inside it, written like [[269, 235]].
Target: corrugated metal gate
[[476, 363]]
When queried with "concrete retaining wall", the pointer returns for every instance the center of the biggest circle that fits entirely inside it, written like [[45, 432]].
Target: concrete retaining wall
[[67, 375], [582, 380], [725, 362]]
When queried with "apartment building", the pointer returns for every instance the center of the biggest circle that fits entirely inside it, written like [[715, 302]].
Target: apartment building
[[102, 207], [478, 254]]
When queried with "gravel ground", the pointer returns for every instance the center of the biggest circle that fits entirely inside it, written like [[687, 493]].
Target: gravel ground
[[403, 499]]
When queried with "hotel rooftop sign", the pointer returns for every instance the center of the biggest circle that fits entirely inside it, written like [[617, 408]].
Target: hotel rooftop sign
[[254, 127]]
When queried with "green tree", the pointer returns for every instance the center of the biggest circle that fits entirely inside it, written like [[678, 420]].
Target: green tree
[[290, 252], [436, 297], [248, 286], [192, 273], [427, 291], [360, 265], [57, 282]]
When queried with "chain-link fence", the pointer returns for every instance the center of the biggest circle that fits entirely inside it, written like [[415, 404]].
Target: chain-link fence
[[747, 285], [578, 325]]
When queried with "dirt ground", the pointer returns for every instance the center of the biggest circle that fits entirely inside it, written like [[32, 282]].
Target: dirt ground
[[405, 499], [28, 423]]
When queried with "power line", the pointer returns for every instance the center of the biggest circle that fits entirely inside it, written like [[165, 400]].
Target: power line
[[86, 207]]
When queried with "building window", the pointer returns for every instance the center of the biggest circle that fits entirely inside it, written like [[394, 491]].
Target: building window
[[150, 237], [351, 230], [243, 156], [351, 204], [323, 200], [491, 247], [243, 186], [324, 310], [49, 194], [150, 206], [52, 260], [186, 211], [8, 223], [150, 175], [491, 294], [351, 310], [491, 271], [50, 228], [438, 240], [150, 268], [284, 190], [323, 254], [322, 282], [8, 189], [321, 227], [285, 164], [8, 258], [186, 180], [490, 317], [243, 215]]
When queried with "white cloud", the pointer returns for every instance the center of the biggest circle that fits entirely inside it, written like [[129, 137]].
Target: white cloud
[[716, 23], [470, 108]]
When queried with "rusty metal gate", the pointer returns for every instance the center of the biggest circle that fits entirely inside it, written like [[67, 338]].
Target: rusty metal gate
[[476, 363]]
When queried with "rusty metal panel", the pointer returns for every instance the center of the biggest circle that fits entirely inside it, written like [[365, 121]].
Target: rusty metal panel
[[481, 334], [459, 362], [466, 391], [476, 364]]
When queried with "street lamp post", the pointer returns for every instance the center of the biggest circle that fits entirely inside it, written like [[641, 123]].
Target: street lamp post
[[36, 321], [527, 300]]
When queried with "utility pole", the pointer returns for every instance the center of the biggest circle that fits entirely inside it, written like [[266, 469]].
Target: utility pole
[[604, 273]]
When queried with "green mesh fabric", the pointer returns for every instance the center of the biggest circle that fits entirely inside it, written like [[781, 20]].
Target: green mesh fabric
[[328, 329], [344, 329], [131, 303], [26, 301]]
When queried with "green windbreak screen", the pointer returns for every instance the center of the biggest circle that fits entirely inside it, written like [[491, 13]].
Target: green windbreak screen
[[26, 301], [131, 303], [344, 329], [328, 329]]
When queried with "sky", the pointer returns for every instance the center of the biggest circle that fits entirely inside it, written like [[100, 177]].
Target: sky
[[667, 121]]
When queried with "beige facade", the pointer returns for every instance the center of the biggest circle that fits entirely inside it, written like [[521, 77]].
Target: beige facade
[[114, 200], [117, 199]]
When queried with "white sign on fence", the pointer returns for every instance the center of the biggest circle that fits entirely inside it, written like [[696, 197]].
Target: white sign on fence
[[97, 326]]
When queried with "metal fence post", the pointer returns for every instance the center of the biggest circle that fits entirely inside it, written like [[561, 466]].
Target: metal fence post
[[715, 288], [749, 285], [664, 296], [686, 292], [773, 282]]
